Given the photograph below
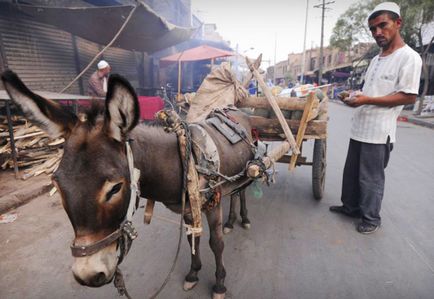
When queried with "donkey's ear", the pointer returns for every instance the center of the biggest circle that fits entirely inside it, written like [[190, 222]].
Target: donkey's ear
[[46, 114], [122, 108]]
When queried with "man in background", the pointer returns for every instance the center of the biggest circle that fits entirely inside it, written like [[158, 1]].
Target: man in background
[[98, 80]]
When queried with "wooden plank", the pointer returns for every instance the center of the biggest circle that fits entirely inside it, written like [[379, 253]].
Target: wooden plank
[[282, 102], [275, 107], [287, 159], [303, 125], [271, 127]]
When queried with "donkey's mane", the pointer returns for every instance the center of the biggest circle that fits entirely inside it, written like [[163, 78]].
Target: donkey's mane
[[94, 112]]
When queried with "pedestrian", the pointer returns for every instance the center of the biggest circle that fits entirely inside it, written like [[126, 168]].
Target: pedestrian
[[98, 80], [391, 81]]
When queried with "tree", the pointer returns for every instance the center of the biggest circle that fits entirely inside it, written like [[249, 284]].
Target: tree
[[416, 15], [352, 28]]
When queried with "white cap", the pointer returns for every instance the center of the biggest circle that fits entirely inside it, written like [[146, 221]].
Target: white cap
[[102, 64], [387, 6]]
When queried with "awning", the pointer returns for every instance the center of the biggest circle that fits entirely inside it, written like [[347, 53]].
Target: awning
[[337, 67], [146, 31], [337, 74], [203, 52], [191, 43]]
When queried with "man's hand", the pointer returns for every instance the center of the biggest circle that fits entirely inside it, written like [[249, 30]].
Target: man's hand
[[357, 100]]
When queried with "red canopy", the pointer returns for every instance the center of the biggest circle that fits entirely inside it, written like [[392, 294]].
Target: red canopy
[[199, 53]]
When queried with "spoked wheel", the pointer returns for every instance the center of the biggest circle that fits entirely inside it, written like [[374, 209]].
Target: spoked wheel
[[319, 165]]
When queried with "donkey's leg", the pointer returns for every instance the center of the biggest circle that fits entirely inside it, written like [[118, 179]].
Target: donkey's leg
[[229, 225], [215, 219], [245, 222], [191, 279]]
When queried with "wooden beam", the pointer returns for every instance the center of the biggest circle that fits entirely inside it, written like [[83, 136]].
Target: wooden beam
[[249, 76], [275, 154], [271, 127], [303, 125], [282, 102], [275, 106]]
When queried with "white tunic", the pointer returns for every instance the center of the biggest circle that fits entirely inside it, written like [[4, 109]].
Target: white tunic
[[396, 72]]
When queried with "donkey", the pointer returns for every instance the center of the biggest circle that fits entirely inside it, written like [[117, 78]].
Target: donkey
[[93, 177]]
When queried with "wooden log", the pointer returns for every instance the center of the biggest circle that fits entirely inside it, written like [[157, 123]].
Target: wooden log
[[303, 125], [275, 107], [271, 127], [249, 76], [283, 103], [253, 171]]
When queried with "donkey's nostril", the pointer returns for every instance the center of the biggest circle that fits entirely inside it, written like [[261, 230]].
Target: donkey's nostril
[[99, 279]]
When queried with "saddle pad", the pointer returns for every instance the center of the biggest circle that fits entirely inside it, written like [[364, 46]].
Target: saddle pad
[[224, 129], [204, 149]]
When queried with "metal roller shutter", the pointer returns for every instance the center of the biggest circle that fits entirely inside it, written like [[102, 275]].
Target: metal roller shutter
[[41, 55]]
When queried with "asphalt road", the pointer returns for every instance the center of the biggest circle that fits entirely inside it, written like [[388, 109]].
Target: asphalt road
[[295, 249]]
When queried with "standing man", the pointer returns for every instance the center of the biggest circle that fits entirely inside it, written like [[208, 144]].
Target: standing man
[[98, 80], [391, 81]]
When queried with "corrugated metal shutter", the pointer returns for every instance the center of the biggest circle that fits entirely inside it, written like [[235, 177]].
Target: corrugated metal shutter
[[41, 55], [124, 63], [87, 51]]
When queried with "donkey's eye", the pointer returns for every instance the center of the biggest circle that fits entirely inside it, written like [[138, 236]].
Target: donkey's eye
[[115, 189]]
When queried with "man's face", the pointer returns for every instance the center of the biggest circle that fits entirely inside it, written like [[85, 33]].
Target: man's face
[[384, 29], [106, 70]]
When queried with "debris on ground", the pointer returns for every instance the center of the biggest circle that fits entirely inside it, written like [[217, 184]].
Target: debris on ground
[[8, 217]]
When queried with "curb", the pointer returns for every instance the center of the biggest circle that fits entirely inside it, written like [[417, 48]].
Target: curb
[[15, 200], [420, 122]]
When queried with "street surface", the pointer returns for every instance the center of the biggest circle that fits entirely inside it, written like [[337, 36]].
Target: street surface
[[295, 248]]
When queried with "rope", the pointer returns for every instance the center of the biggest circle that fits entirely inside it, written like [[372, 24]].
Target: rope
[[120, 284], [103, 50], [185, 161], [193, 231]]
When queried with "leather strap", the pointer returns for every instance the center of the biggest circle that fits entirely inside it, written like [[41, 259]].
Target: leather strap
[[86, 250]]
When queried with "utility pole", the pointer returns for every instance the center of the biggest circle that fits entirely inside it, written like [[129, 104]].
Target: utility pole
[[303, 62], [321, 58], [275, 49]]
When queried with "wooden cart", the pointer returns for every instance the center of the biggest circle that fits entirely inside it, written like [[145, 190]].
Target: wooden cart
[[312, 125]]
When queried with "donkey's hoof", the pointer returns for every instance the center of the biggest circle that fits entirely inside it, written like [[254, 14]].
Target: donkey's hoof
[[246, 225], [227, 230], [189, 285], [218, 296]]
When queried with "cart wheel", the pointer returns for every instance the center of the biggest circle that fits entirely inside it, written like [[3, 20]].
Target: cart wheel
[[319, 165]]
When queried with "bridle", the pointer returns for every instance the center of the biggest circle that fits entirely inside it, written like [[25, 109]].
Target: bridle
[[126, 232]]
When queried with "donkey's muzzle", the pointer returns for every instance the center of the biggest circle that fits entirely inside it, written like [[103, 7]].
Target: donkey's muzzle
[[97, 280]]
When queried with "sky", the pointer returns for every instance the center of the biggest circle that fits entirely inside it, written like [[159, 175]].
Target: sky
[[270, 26]]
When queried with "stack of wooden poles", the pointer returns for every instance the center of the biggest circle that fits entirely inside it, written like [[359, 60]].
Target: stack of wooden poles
[[37, 153]]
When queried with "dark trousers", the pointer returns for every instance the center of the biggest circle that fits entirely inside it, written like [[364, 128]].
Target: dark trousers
[[363, 181]]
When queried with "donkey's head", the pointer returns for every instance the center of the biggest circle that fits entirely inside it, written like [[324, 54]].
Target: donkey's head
[[93, 178]]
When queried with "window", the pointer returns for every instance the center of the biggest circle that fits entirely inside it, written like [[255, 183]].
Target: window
[[312, 64]]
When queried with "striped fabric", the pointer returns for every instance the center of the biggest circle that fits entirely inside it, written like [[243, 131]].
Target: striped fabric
[[397, 72]]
